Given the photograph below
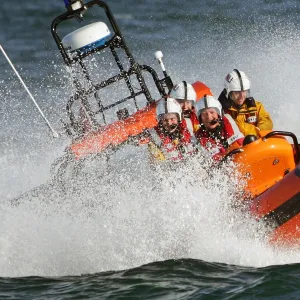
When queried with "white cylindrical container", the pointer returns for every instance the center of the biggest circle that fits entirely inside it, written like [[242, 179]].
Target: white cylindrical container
[[87, 38]]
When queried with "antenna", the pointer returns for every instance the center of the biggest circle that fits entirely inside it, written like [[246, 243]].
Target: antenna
[[159, 56], [167, 81], [54, 133]]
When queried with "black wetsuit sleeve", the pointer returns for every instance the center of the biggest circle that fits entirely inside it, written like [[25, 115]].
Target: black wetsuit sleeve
[[225, 102]]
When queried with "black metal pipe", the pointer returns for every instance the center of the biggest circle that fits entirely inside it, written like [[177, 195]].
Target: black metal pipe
[[155, 78]]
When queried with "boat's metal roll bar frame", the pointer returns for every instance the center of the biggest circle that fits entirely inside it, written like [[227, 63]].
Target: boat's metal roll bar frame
[[116, 42]]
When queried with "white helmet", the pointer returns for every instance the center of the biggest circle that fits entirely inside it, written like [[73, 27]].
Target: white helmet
[[208, 102], [236, 81], [183, 91], [168, 106]]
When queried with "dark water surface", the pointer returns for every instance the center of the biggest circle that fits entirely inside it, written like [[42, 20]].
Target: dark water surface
[[172, 279]]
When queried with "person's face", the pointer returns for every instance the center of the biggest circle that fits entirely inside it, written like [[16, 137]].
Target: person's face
[[185, 104], [238, 97], [170, 121], [209, 115]]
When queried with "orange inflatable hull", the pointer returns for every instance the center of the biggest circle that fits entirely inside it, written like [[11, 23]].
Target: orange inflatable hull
[[120, 131], [273, 183], [115, 133], [264, 163], [279, 208]]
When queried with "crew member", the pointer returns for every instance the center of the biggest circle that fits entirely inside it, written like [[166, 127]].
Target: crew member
[[218, 133], [170, 139], [185, 95], [249, 114]]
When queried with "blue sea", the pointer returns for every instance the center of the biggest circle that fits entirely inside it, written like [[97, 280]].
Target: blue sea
[[118, 229]]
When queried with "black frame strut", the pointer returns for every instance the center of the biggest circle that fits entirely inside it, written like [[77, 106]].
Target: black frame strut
[[115, 42]]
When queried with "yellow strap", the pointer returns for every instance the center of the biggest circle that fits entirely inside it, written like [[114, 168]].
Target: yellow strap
[[155, 151]]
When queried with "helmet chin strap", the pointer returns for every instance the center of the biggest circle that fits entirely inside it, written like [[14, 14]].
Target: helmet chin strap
[[187, 113], [173, 126], [175, 133], [214, 121]]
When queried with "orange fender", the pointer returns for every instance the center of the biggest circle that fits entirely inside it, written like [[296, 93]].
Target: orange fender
[[201, 90], [115, 133], [279, 206], [265, 162]]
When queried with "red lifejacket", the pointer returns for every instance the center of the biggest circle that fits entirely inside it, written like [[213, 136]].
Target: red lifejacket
[[218, 144], [175, 148], [192, 123]]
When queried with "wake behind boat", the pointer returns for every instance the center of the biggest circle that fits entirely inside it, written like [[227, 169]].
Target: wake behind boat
[[269, 165]]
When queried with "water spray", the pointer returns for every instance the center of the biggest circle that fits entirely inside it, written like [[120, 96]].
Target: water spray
[[54, 133]]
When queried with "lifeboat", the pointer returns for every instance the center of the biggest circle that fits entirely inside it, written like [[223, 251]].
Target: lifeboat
[[87, 111], [270, 166]]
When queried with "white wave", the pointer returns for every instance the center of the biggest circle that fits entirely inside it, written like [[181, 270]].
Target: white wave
[[125, 215]]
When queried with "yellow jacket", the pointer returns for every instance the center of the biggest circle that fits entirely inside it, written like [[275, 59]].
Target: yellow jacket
[[251, 119]]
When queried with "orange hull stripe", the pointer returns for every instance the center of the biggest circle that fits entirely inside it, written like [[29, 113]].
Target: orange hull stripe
[[119, 131]]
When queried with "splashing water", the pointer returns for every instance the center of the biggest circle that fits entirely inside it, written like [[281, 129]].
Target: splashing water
[[122, 214]]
